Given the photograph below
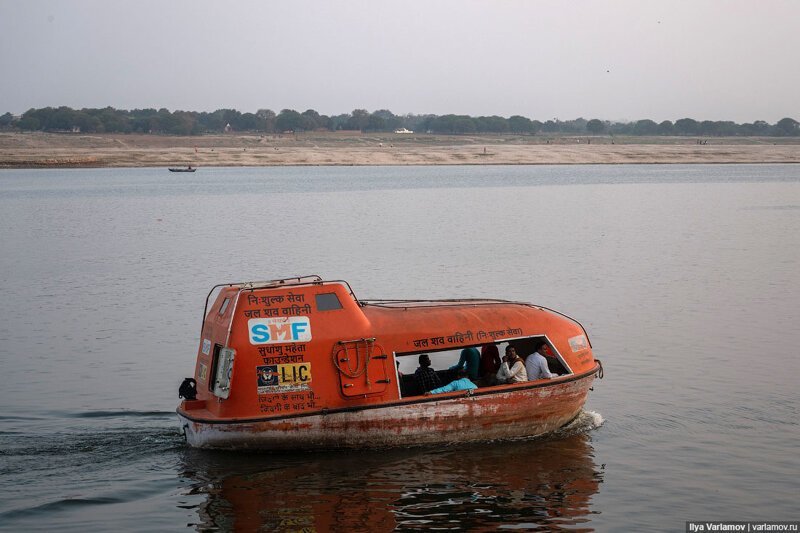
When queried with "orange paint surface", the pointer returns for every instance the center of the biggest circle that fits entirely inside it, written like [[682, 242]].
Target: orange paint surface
[[310, 357]]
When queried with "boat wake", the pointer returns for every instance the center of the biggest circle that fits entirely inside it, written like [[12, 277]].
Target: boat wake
[[67, 442], [582, 424], [124, 413], [585, 422], [81, 469]]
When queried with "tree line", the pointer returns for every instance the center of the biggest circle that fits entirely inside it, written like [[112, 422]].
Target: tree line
[[163, 121]]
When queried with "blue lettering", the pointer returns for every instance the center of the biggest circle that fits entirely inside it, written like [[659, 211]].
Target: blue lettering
[[259, 333], [298, 328]]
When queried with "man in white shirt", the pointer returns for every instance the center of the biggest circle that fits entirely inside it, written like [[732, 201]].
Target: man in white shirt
[[536, 365]]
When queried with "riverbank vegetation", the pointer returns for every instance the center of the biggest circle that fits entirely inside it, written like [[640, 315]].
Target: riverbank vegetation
[[163, 121]]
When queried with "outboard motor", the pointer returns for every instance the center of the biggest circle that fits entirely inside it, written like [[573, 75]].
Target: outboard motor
[[188, 389]]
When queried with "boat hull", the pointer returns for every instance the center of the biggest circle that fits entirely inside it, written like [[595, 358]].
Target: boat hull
[[523, 410]]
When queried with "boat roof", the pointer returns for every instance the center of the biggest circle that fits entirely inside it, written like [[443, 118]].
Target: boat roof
[[420, 304], [405, 304], [388, 303], [389, 307]]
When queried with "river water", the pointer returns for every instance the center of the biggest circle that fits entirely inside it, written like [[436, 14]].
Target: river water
[[687, 279]]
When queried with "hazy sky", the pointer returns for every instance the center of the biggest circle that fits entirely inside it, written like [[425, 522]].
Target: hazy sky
[[613, 60]]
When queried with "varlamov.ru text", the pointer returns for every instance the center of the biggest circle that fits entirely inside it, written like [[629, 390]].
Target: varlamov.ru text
[[742, 526]]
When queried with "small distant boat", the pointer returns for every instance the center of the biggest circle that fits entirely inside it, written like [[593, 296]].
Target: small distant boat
[[190, 168]]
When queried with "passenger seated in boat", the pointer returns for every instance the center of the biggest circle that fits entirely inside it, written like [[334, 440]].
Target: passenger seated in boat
[[425, 377], [513, 368], [470, 360], [462, 383], [536, 364], [490, 364]]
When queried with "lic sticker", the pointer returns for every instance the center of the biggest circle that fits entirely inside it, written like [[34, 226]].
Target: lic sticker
[[288, 377]]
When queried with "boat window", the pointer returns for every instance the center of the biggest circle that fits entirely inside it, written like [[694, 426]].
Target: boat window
[[224, 306], [328, 301], [442, 362], [527, 346]]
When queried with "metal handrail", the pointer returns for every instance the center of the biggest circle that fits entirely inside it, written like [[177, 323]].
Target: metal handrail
[[312, 279]]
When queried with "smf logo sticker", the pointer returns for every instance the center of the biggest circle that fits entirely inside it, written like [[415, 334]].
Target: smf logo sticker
[[278, 330]]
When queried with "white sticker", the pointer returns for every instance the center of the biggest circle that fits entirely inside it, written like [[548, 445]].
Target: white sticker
[[279, 330], [206, 346], [578, 343]]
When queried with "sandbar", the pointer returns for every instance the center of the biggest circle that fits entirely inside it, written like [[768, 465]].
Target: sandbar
[[75, 150]]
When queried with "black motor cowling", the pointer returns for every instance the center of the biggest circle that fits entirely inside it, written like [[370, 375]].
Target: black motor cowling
[[188, 389]]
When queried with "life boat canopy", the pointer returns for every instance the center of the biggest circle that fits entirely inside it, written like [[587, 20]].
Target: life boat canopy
[[302, 347]]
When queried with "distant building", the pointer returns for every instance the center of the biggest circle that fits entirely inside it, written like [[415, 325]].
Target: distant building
[[403, 130]]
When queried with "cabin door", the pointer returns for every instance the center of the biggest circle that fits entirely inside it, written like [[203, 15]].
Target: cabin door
[[223, 370], [362, 367]]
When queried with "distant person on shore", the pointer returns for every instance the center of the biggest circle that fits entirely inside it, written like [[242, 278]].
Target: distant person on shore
[[424, 376], [536, 364], [462, 383], [513, 368]]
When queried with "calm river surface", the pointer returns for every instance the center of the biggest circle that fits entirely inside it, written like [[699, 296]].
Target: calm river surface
[[687, 279]]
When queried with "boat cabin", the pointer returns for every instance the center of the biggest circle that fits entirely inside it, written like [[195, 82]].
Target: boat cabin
[[301, 346], [443, 362]]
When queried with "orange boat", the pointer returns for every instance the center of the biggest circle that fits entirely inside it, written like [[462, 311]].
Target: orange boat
[[301, 363]]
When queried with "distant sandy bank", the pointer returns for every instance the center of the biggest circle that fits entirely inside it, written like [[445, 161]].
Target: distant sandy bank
[[48, 150]]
